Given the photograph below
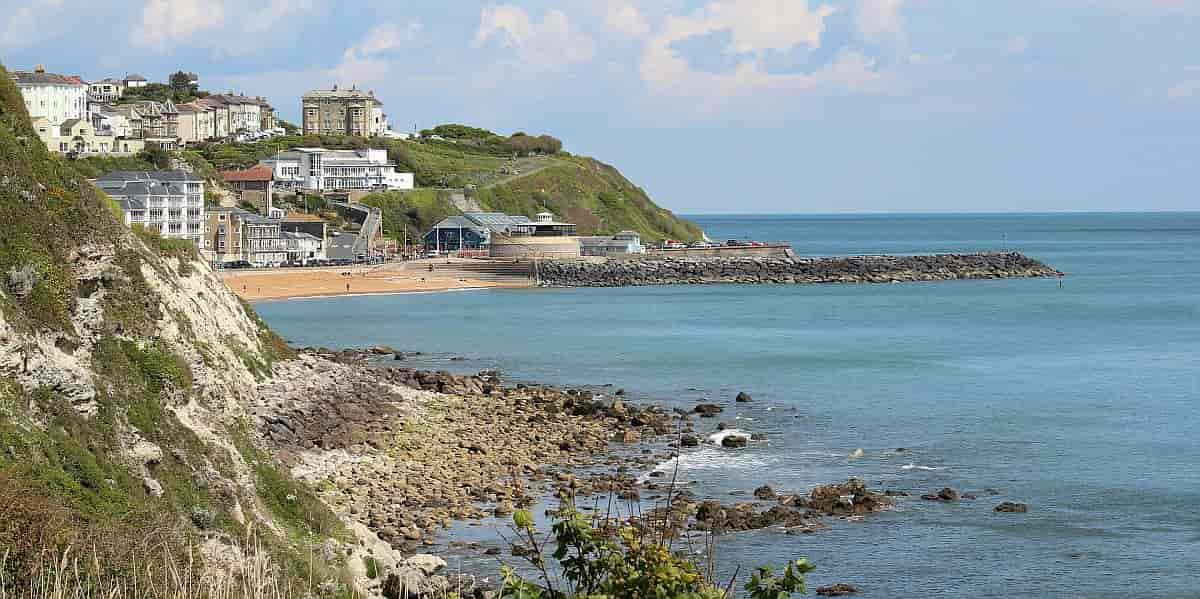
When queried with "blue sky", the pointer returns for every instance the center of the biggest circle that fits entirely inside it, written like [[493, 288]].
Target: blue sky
[[722, 105]]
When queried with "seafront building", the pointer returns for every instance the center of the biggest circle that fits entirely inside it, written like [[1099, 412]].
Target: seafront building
[[303, 248], [621, 244], [505, 236], [237, 234], [473, 230], [340, 111], [170, 203], [319, 169]]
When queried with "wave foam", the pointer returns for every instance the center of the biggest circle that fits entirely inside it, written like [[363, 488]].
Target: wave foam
[[916, 467]]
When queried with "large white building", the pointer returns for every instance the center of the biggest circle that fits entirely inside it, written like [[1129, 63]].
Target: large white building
[[56, 98], [319, 169], [170, 203]]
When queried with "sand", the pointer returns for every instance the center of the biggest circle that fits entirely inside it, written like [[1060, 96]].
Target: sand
[[409, 277]]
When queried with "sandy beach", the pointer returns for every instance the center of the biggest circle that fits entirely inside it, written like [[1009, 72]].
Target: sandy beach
[[407, 277]]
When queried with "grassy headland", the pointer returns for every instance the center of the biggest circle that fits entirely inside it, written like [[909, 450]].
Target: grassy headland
[[516, 174]]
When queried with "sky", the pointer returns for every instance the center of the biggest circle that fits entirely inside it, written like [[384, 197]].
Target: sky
[[722, 105]]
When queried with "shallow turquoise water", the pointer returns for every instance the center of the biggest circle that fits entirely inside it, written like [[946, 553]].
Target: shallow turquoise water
[[1083, 401]]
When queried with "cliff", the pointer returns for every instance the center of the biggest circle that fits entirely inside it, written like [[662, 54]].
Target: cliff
[[125, 369], [787, 269]]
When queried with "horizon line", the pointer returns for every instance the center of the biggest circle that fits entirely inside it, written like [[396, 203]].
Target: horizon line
[[941, 213]]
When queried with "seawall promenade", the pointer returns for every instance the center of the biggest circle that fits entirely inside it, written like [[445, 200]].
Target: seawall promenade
[[788, 270]]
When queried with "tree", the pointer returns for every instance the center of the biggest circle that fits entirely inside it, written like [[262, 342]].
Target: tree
[[180, 81], [160, 158]]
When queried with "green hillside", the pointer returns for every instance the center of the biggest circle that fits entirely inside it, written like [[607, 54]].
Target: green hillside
[[498, 174], [103, 348]]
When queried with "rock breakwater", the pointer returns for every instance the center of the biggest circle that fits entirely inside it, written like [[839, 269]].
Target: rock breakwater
[[789, 270]]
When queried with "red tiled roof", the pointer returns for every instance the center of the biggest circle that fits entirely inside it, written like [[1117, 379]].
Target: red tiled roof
[[257, 173]]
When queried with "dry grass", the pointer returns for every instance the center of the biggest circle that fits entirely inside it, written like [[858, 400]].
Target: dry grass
[[48, 551], [75, 574]]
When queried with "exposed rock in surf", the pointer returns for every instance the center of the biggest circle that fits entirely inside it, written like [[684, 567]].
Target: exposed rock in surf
[[1012, 507], [708, 410], [765, 493], [946, 494], [743, 397], [734, 441], [837, 590], [850, 497]]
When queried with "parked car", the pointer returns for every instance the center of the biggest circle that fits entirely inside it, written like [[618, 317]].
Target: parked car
[[238, 264]]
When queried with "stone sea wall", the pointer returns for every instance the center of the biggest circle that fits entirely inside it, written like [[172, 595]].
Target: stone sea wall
[[786, 269]]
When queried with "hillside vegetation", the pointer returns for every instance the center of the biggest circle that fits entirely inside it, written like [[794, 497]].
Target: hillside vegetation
[[124, 365], [519, 174]]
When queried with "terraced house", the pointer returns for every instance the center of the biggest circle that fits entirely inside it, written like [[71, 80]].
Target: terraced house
[[170, 203], [236, 234]]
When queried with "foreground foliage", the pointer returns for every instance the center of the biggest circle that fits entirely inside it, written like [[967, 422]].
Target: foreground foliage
[[601, 559]]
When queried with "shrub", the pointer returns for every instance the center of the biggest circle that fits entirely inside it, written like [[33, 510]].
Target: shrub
[[627, 561]]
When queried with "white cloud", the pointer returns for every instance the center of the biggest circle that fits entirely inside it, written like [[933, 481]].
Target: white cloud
[[625, 19], [548, 45], [383, 38], [880, 20], [168, 24], [23, 26], [169, 21], [756, 28], [275, 11]]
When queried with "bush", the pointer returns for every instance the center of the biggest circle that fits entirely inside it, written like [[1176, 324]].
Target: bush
[[625, 562]]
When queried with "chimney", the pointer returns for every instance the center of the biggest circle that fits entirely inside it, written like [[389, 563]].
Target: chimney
[[41, 68]]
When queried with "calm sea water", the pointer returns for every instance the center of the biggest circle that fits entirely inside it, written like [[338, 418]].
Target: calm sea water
[[1082, 401]]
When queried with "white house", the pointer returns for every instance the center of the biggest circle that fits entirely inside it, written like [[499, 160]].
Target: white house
[[625, 242], [303, 247], [134, 81], [168, 202], [319, 169], [56, 98], [107, 90]]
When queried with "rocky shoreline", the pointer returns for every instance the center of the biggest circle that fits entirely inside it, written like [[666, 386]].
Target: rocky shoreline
[[789, 270], [400, 454]]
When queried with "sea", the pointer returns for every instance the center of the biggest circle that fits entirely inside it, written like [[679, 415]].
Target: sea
[[1081, 400]]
